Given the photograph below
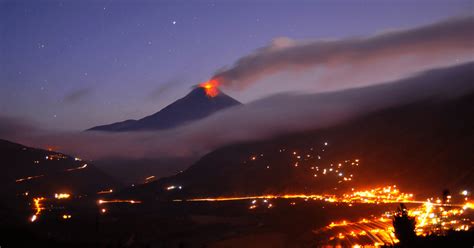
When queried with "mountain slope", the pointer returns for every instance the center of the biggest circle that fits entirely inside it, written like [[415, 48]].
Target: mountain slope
[[194, 106], [424, 146], [37, 171]]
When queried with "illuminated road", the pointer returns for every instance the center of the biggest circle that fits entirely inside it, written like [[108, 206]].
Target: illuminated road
[[432, 216]]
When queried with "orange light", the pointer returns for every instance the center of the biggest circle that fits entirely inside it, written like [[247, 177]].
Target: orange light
[[118, 201], [105, 191], [27, 178], [78, 168], [38, 206], [211, 87], [62, 195]]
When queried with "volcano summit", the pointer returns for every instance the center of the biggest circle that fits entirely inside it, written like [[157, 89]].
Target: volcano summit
[[194, 106]]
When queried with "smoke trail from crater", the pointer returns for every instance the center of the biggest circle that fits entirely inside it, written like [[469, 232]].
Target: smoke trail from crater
[[439, 44]]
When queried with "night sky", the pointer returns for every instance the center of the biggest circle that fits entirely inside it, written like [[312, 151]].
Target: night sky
[[76, 64]]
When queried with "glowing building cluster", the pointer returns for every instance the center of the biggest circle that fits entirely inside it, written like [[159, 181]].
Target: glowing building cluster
[[431, 218], [388, 194], [311, 162], [55, 156]]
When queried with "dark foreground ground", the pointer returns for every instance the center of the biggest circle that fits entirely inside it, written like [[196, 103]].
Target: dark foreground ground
[[287, 223], [177, 224]]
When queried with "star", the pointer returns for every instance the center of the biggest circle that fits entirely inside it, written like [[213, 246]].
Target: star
[[174, 22]]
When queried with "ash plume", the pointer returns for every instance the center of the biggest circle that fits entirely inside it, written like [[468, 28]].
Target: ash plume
[[439, 44]]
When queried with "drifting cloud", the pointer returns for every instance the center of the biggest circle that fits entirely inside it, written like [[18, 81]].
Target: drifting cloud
[[16, 127], [165, 88], [396, 52], [77, 95], [275, 115]]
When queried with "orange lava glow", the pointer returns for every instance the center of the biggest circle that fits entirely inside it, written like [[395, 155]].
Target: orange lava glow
[[211, 87]]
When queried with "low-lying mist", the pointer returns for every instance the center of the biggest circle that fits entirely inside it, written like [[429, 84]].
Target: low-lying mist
[[275, 115]]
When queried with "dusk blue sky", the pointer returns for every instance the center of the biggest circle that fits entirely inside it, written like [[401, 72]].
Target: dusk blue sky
[[77, 64]]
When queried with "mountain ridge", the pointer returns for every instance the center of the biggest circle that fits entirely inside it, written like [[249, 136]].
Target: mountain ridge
[[39, 171], [434, 135], [194, 106]]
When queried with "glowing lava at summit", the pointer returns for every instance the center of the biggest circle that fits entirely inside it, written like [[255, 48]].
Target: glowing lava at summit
[[211, 87]]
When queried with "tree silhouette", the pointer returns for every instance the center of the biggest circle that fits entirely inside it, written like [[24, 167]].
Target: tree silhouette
[[404, 226], [446, 193]]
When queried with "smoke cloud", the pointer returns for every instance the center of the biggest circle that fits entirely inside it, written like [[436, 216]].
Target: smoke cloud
[[403, 51], [275, 115], [77, 95]]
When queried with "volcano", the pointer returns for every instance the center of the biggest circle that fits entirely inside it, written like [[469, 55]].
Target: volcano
[[424, 145], [194, 106]]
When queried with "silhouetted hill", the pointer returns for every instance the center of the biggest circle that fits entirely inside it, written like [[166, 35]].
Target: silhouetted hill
[[133, 171], [38, 172], [193, 106]]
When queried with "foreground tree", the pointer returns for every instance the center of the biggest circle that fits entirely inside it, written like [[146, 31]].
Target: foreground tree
[[404, 226]]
